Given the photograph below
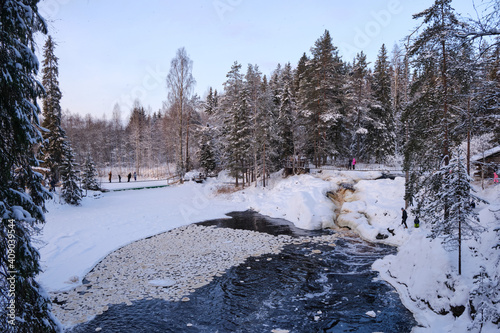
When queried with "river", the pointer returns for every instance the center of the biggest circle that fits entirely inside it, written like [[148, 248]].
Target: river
[[306, 288]]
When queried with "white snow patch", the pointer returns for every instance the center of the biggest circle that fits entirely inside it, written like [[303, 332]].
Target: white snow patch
[[162, 282], [371, 314]]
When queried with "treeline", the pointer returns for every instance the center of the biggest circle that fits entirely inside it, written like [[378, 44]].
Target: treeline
[[325, 109], [138, 144]]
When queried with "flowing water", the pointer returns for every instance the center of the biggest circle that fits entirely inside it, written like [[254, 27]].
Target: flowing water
[[306, 288]]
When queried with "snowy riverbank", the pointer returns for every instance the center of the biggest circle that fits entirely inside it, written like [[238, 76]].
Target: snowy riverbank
[[75, 239]]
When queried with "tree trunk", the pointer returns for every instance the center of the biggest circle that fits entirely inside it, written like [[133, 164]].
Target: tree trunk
[[187, 141], [459, 244]]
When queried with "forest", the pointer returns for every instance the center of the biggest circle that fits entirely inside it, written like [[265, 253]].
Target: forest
[[413, 106]]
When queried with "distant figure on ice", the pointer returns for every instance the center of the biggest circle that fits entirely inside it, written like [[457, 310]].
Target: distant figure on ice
[[495, 178], [110, 174], [349, 164], [353, 163], [135, 176], [119, 178], [129, 176], [416, 222], [404, 217]]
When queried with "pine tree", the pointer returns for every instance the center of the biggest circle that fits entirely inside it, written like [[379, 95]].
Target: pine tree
[[399, 95], [485, 102], [359, 99], [266, 134], [71, 192], [431, 114], [24, 306], [446, 205], [89, 179], [54, 135]]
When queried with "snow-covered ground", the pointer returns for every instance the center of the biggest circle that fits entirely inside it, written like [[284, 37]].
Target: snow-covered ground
[[75, 239]]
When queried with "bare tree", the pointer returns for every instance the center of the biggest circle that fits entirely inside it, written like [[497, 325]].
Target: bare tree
[[180, 84]]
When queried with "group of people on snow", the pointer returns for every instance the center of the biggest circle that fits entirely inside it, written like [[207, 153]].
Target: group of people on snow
[[352, 164], [404, 217], [129, 176]]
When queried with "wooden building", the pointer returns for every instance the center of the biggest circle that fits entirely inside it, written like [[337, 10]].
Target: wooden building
[[488, 161]]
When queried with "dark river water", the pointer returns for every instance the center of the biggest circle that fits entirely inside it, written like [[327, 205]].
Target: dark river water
[[293, 291]]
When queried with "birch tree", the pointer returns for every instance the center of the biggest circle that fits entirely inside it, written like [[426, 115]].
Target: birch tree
[[180, 85]]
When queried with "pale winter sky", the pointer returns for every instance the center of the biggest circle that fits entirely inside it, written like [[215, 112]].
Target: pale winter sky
[[116, 51]]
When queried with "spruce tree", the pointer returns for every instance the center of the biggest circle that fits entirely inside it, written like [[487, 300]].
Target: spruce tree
[[237, 123], [24, 306], [207, 152], [381, 136], [321, 100], [287, 114], [53, 133], [252, 84], [212, 102], [136, 128], [484, 299], [446, 205], [71, 192], [89, 179]]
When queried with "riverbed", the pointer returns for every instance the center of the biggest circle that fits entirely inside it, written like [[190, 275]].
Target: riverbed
[[246, 273]]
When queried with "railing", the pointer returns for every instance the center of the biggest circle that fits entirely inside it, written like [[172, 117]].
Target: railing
[[360, 167], [342, 165]]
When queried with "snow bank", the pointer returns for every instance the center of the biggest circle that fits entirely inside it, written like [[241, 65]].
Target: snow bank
[[426, 282], [426, 275], [299, 199], [75, 239]]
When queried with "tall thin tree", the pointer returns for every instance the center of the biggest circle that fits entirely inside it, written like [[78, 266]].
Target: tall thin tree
[[180, 85]]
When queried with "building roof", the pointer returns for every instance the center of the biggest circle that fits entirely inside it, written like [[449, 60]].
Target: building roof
[[486, 154]]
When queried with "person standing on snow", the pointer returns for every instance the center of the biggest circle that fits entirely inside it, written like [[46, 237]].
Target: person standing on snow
[[110, 174], [135, 176], [353, 163], [495, 178], [416, 222], [404, 217], [119, 178], [129, 176]]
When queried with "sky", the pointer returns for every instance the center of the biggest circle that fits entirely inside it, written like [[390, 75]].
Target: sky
[[117, 51]]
